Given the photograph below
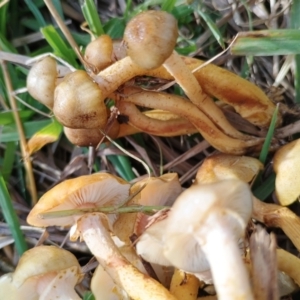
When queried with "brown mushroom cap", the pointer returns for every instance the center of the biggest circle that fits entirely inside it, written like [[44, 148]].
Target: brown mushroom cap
[[99, 52], [41, 81], [150, 38], [99, 189], [79, 103]]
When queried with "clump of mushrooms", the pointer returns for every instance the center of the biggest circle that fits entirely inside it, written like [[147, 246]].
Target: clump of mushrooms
[[143, 30], [43, 272], [212, 216], [94, 191]]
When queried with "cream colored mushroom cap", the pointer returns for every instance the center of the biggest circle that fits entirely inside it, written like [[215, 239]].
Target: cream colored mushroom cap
[[43, 259], [287, 168], [89, 191]]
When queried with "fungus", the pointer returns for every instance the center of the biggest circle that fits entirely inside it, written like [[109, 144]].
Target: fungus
[[223, 166], [79, 102], [186, 109], [212, 218], [98, 53], [286, 166], [247, 99], [41, 81], [43, 272], [150, 38], [94, 228]]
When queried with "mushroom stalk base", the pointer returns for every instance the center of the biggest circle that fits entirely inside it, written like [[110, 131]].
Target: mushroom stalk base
[[138, 286]]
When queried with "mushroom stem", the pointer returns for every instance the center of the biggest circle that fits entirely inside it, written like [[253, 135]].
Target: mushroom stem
[[136, 284], [111, 78], [188, 110], [246, 98], [141, 121], [273, 215], [221, 249], [122, 71], [188, 82]]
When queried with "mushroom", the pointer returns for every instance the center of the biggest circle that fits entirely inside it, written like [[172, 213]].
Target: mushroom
[[79, 102], [158, 191], [102, 284], [186, 109], [41, 81], [212, 218], [150, 38], [43, 272], [99, 52], [223, 166], [94, 228], [247, 99], [286, 166]]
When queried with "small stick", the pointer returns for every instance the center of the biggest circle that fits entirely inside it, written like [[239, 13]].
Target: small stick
[[23, 143]]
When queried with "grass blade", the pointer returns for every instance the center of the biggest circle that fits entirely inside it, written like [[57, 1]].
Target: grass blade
[[295, 23], [58, 45], [11, 218], [268, 140], [37, 14], [267, 42], [90, 13]]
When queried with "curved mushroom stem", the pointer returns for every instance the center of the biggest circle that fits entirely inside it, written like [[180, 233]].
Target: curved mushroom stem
[[246, 98], [188, 110], [273, 215], [136, 284], [122, 71], [221, 249], [188, 82], [172, 127]]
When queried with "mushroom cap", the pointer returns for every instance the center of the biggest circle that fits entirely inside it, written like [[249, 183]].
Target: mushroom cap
[[286, 165], [99, 52], [163, 242], [79, 103], [41, 81], [225, 166], [99, 189], [150, 38], [8, 289], [43, 272], [161, 190], [43, 259]]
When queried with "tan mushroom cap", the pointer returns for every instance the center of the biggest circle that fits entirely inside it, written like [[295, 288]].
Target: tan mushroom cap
[[225, 166], [150, 38], [43, 272], [41, 81], [43, 259], [287, 167], [99, 189]]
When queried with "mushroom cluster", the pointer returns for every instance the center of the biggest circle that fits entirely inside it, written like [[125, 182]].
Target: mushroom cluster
[[197, 237], [78, 100]]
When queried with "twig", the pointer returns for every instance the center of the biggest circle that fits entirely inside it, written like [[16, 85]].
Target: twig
[[23, 143]]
